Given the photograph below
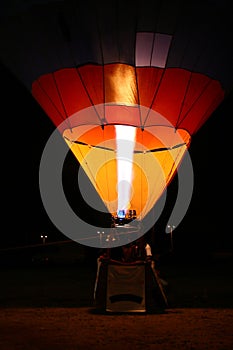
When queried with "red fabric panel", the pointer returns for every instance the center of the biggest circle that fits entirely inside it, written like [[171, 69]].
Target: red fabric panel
[[64, 94], [148, 80], [42, 90], [197, 84], [92, 77], [198, 111], [185, 99], [171, 94], [72, 91]]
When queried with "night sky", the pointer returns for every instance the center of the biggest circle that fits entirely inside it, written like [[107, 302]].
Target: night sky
[[25, 130]]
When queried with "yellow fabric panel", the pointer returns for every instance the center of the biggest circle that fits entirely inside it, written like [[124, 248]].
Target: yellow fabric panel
[[152, 171], [106, 182], [151, 176], [80, 151], [94, 161]]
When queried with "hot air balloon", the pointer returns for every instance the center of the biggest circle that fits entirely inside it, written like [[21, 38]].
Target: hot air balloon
[[127, 84]]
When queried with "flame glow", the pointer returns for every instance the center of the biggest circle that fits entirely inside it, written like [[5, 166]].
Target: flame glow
[[125, 138]]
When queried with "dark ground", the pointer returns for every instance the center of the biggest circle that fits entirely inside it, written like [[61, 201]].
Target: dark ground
[[50, 306]]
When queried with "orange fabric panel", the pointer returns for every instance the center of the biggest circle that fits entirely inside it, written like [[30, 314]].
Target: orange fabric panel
[[120, 84], [148, 139], [97, 136]]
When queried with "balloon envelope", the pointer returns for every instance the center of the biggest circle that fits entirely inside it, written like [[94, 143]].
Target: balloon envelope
[[127, 83]]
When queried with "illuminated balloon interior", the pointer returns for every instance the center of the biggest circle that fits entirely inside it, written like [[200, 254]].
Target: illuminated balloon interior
[[127, 84]]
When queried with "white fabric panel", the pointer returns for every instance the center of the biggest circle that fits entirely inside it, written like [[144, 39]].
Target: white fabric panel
[[126, 288], [144, 42], [160, 50], [152, 49]]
